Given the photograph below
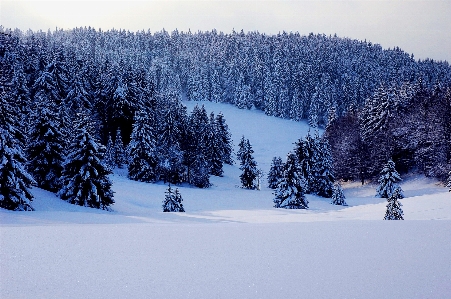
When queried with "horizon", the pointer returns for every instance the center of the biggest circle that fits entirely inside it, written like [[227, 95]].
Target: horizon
[[420, 28]]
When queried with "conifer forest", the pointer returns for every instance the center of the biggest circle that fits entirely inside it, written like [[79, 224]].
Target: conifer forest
[[75, 104]]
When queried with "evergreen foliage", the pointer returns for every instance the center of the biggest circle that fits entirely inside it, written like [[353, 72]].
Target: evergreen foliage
[[394, 210], [120, 157], [290, 191], [46, 146], [338, 197], [85, 177], [388, 181], [173, 201], [248, 166], [142, 149], [275, 172], [109, 157], [15, 181]]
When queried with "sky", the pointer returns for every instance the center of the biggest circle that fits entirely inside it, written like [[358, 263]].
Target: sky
[[419, 27]]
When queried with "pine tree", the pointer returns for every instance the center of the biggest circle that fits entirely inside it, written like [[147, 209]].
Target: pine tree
[[119, 150], [109, 157], [248, 165], [224, 139], [85, 177], [142, 149], [338, 197], [449, 181], [214, 148], [388, 181], [394, 210], [15, 182], [275, 172], [322, 178], [290, 191], [199, 173], [46, 146], [173, 201]]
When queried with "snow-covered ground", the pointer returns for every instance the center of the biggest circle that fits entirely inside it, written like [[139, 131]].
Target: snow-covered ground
[[231, 243]]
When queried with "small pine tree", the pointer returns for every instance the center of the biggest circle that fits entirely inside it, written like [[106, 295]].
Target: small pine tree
[[388, 181], [394, 210], [119, 150], [109, 157], [275, 172], [290, 192], [173, 201], [248, 166], [338, 197]]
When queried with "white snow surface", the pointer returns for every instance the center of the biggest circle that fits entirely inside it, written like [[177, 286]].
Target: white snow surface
[[231, 243]]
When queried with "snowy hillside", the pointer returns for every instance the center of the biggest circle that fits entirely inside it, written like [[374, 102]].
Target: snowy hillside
[[230, 243]]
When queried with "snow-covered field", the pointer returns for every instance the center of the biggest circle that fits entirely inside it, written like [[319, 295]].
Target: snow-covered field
[[231, 243]]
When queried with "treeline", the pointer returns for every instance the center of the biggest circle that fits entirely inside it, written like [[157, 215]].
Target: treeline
[[408, 124], [113, 76]]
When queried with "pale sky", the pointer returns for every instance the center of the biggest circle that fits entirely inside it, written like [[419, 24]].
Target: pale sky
[[419, 27]]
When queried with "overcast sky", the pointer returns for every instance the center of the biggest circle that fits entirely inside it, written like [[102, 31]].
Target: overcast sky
[[419, 27]]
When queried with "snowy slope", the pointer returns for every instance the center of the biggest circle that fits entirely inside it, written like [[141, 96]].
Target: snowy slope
[[231, 243]]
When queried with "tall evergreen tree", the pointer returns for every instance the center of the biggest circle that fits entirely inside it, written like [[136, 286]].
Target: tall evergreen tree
[[215, 150], [394, 210], [322, 176], [248, 166], [46, 147], [173, 201], [388, 181], [290, 192], [142, 149], [15, 182], [85, 177], [224, 139], [275, 172]]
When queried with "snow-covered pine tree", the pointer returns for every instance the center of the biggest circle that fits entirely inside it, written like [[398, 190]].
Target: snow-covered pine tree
[[173, 201], [109, 157], [85, 176], [200, 172], [394, 210], [275, 172], [15, 182], [248, 166], [322, 179], [290, 191], [224, 139], [46, 146], [338, 197], [142, 149], [449, 181], [119, 150], [214, 148], [388, 181]]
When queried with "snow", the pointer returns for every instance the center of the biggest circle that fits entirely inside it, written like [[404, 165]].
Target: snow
[[231, 242]]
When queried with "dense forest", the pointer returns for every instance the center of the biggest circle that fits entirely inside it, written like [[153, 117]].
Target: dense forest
[[120, 94]]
